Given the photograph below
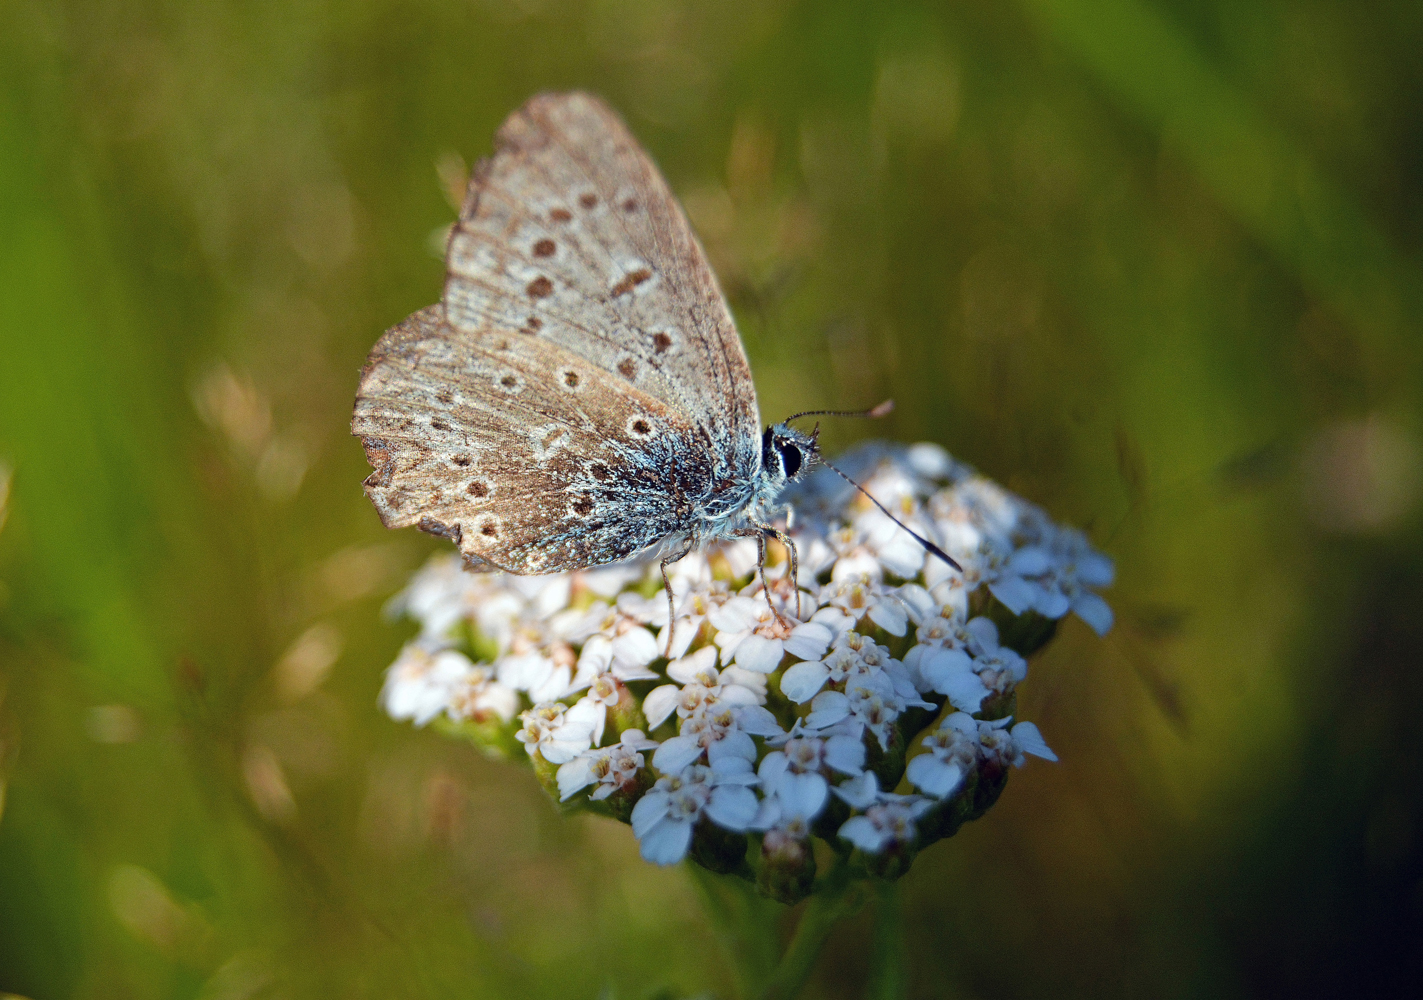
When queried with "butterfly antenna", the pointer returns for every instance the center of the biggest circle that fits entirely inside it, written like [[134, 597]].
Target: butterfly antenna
[[912, 533], [874, 412]]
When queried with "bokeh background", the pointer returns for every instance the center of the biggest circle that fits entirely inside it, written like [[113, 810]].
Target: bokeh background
[[1155, 264]]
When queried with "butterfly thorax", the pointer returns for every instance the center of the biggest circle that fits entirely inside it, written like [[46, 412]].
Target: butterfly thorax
[[786, 456]]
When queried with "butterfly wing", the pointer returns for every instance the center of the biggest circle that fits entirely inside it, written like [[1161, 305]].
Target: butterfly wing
[[581, 395], [570, 233], [466, 445]]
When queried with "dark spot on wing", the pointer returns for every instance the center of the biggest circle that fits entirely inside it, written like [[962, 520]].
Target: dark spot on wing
[[630, 205], [439, 425], [489, 530], [588, 200], [627, 367], [583, 506], [544, 248], [600, 472], [571, 379], [560, 215], [508, 381], [540, 288], [660, 342], [450, 531], [532, 325], [477, 489], [445, 398], [461, 460], [631, 281], [641, 427]]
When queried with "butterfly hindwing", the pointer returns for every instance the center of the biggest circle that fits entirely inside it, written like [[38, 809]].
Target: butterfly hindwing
[[528, 481]]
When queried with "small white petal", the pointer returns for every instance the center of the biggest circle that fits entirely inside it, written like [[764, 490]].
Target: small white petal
[[802, 681], [1015, 593], [577, 774], [561, 751], [736, 771], [649, 810], [634, 648], [827, 708], [1052, 604], [667, 842], [1095, 570], [1031, 560], [686, 670], [675, 754], [1029, 739], [1094, 611], [861, 792], [803, 794], [757, 721], [759, 654], [733, 807], [660, 703], [933, 776], [984, 633], [845, 754], [773, 766], [936, 666], [862, 833], [809, 641], [965, 691], [636, 739], [920, 602], [890, 615], [733, 744], [736, 615]]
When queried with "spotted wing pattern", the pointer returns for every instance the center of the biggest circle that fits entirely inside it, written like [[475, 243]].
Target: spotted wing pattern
[[527, 456], [570, 234]]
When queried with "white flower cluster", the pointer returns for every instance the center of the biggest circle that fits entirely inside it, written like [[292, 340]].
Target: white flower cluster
[[775, 724]]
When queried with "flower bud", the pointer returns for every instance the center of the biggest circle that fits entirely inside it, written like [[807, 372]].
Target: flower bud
[[787, 871]]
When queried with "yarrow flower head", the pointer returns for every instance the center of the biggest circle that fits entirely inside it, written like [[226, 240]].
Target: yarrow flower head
[[869, 701]]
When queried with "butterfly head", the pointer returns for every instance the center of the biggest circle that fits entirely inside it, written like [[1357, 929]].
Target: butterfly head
[[786, 453]]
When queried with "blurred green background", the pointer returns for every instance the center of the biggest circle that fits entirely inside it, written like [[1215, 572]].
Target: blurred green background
[[1153, 263]]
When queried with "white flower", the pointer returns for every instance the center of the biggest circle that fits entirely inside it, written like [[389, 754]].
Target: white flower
[[862, 597], [419, 684], [886, 824], [853, 655], [749, 632], [1008, 746], [478, 697], [794, 777], [613, 768], [556, 732], [711, 729], [696, 600], [576, 645], [663, 819], [953, 752], [701, 684]]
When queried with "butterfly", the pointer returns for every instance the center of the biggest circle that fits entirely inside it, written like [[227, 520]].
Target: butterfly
[[580, 396]]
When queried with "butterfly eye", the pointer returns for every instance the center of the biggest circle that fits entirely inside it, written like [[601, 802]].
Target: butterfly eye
[[790, 458]]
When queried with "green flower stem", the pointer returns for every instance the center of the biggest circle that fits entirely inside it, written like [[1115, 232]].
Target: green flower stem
[[833, 901], [888, 980], [744, 923]]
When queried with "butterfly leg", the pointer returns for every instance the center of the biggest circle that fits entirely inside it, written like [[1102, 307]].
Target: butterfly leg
[[760, 533], [671, 604], [785, 540]]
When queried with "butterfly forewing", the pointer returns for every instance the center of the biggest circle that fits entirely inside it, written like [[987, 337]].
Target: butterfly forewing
[[521, 481], [570, 233]]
